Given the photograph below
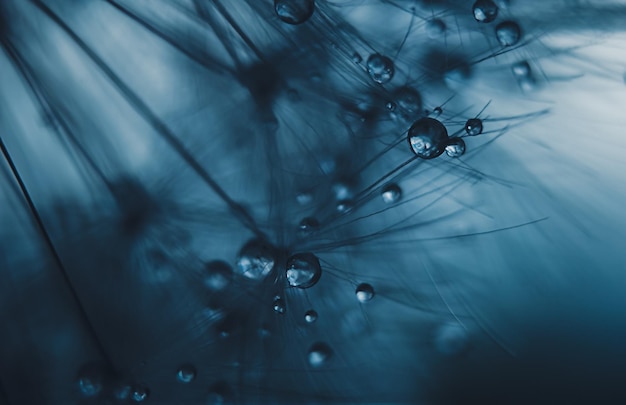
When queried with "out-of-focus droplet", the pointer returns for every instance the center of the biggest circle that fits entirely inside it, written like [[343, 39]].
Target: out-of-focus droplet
[[391, 193], [428, 138], [139, 393], [380, 68], [364, 292], [121, 391], [186, 373], [310, 316], [451, 339], [294, 11], [455, 147], [217, 275], [474, 126], [342, 191], [508, 33], [435, 28], [308, 225], [279, 305], [356, 57], [521, 69], [90, 382], [345, 206], [319, 354], [304, 198], [219, 394], [485, 11], [256, 259], [303, 270]]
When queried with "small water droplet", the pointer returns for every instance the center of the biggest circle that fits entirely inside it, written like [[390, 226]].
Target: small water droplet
[[474, 126], [390, 105], [428, 138], [186, 373], [256, 259], [356, 58], [437, 111], [435, 28], [139, 393], [345, 206], [217, 275], [319, 354], [391, 193], [303, 270], [310, 316], [294, 11], [279, 305], [485, 11], [380, 68], [364, 292], [308, 225], [508, 33], [455, 147]]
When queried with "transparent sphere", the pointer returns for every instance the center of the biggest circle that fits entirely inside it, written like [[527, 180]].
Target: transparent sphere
[[391, 193], [279, 305], [303, 270], [217, 275], [319, 354], [455, 147], [428, 138], [474, 126], [139, 393], [380, 68], [435, 28], [364, 292], [256, 260], [294, 11], [508, 33], [186, 373], [310, 316], [485, 11]]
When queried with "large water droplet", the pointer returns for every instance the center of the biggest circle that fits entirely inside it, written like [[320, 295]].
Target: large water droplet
[[217, 275], [303, 270], [294, 11], [310, 316], [364, 292], [474, 126], [391, 193], [256, 260], [485, 11], [319, 354], [428, 138], [455, 147], [186, 373], [508, 33], [380, 68]]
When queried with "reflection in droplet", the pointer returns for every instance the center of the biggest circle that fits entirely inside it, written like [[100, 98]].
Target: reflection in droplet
[[380, 68], [391, 193], [294, 11], [455, 147], [279, 305], [485, 11], [139, 393], [186, 373], [474, 126], [256, 260], [303, 270], [508, 33]]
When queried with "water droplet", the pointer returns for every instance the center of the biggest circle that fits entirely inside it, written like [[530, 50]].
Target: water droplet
[[186, 373], [485, 11], [139, 393], [437, 111], [391, 193], [91, 379], [294, 11], [521, 69], [380, 68], [304, 198], [345, 206], [342, 191], [256, 259], [390, 105], [435, 28], [474, 126], [356, 58], [451, 339], [303, 270], [408, 99], [455, 147], [364, 292], [319, 354], [308, 225], [217, 275], [279, 305], [310, 316], [428, 138], [508, 33]]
